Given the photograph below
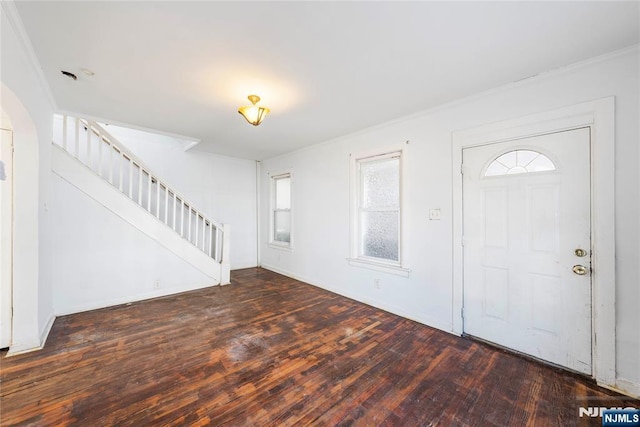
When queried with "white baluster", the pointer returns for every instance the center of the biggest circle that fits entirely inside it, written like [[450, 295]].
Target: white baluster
[[130, 179], [149, 194], [88, 161], [99, 154], [157, 198], [189, 219], [110, 160], [64, 132], [175, 202], [197, 220], [204, 234], [166, 205], [139, 185], [182, 217], [210, 239], [77, 147], [121, 159]]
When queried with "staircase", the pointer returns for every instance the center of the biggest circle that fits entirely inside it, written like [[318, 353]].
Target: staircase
[[88, 157]]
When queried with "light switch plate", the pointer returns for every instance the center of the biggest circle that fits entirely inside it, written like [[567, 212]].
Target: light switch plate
[[434, 214]]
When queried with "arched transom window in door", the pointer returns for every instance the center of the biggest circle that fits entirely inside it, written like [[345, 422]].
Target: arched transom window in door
[[519, 161]]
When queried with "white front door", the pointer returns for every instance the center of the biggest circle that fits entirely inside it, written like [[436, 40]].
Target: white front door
[[527, 247], [6, 240]]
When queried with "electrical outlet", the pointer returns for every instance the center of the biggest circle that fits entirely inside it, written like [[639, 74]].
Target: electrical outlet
[[435, 214], [156, 284], [376, 283]]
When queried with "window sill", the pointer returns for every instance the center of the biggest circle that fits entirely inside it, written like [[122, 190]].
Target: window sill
[[279, 247], [378, 266]]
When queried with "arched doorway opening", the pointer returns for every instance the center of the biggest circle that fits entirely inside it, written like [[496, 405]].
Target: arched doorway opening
[[6, 229], [24, 286]]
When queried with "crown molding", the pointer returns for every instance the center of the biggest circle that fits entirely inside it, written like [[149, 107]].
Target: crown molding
[[9, 9]]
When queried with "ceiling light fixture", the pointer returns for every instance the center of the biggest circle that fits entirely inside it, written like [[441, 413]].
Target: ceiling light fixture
[[253, 113]]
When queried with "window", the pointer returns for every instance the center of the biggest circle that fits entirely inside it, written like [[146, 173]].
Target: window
[[281, 210], [376, 212], [379, 207], [519, 161]]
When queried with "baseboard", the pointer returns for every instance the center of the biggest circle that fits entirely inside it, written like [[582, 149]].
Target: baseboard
[[45, 332], [243, 266], [16, 348], [20, 350], [377, 304], [127, 299]]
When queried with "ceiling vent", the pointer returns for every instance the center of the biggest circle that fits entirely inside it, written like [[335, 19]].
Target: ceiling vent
[[69, 74]]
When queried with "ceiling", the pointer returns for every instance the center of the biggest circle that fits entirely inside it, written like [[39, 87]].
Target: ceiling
[[325, 69]]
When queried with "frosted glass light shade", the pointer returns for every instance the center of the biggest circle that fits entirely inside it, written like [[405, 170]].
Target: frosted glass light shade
[[253, 113]]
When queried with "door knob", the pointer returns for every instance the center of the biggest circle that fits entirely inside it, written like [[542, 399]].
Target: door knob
[[580, 270], [580, 252]]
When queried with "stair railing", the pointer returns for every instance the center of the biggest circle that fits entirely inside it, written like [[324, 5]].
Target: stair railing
[[93, 146]]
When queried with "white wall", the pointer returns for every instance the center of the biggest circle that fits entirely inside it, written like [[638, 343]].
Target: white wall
[[25, 99], [102, 260], [321, 199], [223, 188]]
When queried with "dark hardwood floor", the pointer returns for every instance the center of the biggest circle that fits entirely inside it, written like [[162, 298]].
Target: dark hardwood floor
[[269, 350]]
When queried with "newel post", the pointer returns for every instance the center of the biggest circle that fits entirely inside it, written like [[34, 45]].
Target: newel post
[[225, 265]]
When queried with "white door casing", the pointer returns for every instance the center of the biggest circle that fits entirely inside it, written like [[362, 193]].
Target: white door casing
[[526, 207], [599, 115], [6, 240]]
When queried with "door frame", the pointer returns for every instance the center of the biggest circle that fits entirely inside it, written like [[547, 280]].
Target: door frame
[[599, 116], [6, 224]]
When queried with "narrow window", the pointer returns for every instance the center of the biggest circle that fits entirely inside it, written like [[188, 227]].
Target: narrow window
[[281, 209], [378, 208]]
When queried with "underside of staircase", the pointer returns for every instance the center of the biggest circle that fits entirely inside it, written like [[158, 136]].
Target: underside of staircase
[[90, 159]]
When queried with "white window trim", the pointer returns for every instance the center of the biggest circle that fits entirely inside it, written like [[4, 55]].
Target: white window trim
[[272, 195], [600, 117], [355, 259], [379, 266]]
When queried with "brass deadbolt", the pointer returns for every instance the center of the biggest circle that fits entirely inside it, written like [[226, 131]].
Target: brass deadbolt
[[580, 252]]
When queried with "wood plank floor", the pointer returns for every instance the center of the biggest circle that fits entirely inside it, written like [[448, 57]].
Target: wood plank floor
[[269, 350]]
